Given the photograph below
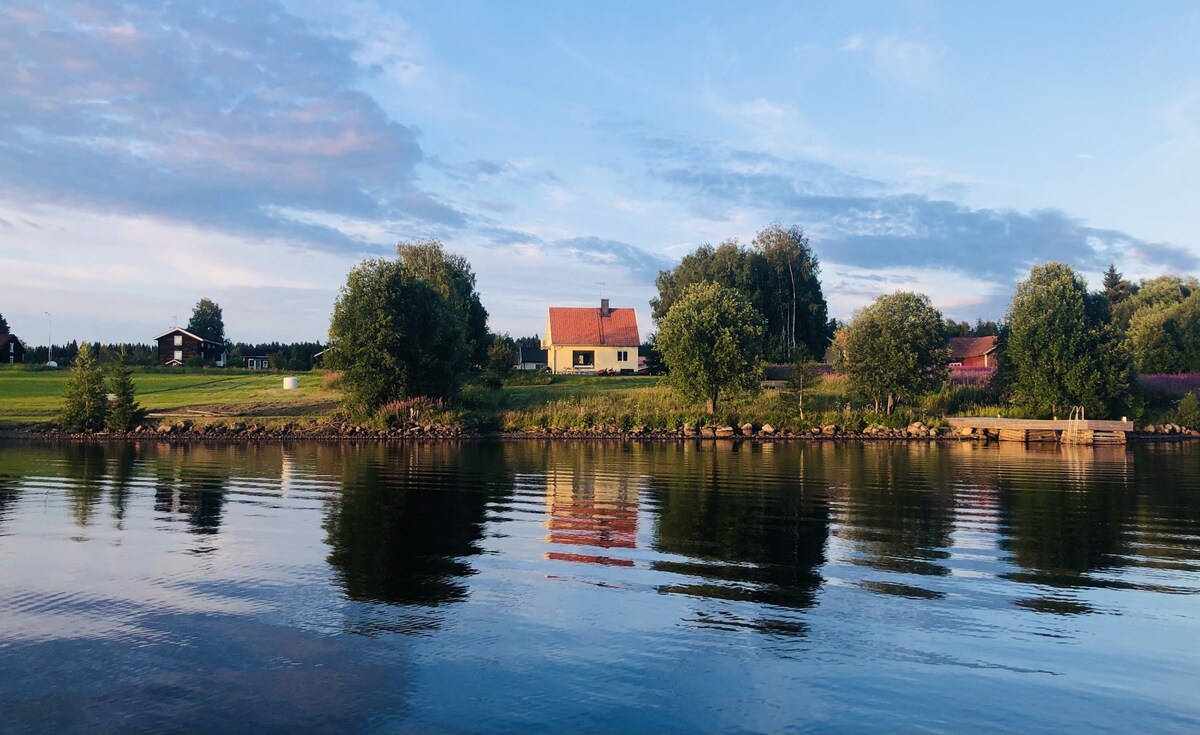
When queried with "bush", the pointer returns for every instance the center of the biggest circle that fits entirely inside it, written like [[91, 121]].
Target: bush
[[529, 377], [1187, 412], [1166, 390], [416, 410]]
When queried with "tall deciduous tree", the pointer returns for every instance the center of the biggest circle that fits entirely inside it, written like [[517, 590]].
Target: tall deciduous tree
[[85, 401], [1165, 337], [711, 339], [1060, 348], [451, 276], [124, 413], [792, 300], [207, 321], [395, 337], [896, 348], [778, 274], [1154, 293]]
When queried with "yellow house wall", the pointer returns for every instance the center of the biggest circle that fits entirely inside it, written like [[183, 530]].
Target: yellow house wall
[[559, 358]]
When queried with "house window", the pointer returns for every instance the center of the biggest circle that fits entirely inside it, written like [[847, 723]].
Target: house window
[[622, 356], [179, 355], [583, 358], [179, 340]]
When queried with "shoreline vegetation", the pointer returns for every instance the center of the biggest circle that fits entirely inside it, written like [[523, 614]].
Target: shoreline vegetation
[[245, 406], [410, 354]]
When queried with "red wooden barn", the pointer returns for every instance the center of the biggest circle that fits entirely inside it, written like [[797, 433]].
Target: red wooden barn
[[973, 351]]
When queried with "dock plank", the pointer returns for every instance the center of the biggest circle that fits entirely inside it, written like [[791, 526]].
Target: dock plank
[[999, 424]]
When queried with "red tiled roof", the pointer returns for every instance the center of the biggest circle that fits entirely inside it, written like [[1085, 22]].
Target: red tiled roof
[[585, 326], [964, 347]]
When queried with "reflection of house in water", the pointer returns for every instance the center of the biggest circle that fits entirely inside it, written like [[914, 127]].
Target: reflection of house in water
[[590, 510], [188, 484]]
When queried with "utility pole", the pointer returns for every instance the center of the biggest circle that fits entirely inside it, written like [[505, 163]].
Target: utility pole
[[49, 337]]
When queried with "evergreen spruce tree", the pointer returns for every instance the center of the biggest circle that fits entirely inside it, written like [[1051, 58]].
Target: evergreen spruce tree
[[3, 325], [85, 401], [124, 414], [1116, 288]]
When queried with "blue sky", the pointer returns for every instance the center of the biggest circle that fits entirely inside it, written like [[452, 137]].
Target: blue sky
[[152, 154]]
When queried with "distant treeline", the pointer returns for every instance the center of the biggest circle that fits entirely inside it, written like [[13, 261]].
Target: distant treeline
[[283, 356], [290, 356], [64, 354]]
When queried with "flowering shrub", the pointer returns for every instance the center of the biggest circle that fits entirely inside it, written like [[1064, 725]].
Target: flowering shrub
[[1165, 389], [415, 409], [331, 379], [976, 376]]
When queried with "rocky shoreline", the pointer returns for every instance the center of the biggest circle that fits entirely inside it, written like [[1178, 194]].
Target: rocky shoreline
[[187, 431]]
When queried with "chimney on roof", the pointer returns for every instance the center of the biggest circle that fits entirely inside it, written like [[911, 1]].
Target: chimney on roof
[[604, 310]]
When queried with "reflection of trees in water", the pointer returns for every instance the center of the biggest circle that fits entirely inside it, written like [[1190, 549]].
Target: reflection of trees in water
[[407, 518], [1168, 513], [900, 509], [120, 464], [8, 498], [752, 522], [85, 466], [1062, 526], [191, 481]]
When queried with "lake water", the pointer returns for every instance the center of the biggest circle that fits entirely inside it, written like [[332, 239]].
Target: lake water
[[599, 587]]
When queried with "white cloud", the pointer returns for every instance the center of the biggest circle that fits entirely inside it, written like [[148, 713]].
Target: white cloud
[[853, 43], [117, 278], [907, 65], [849, 288]]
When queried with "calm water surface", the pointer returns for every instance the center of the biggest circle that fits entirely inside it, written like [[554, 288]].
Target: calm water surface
[[598, 587]]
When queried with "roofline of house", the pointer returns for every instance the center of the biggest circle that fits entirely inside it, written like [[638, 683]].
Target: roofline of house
[[190, 334]]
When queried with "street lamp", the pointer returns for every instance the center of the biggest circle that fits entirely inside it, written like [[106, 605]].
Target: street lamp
[[49, 338]]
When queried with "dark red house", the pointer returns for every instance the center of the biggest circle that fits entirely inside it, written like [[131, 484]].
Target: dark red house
[[179, 345], [12, 352], [973, 351]]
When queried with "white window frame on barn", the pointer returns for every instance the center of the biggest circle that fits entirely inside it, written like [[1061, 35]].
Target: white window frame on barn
[[179, 340], [179, 355]]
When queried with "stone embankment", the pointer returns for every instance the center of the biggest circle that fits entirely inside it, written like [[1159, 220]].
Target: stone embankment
[[187, 430], [1153, 430]]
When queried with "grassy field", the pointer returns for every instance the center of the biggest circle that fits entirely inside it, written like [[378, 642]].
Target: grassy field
[[33, 397], [522, 394], [623, 403]]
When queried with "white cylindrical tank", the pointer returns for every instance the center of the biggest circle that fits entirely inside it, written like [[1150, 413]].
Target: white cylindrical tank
[[291, 383]]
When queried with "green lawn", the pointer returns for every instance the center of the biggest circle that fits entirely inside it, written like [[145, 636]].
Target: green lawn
[[31, 398], [34, 396]]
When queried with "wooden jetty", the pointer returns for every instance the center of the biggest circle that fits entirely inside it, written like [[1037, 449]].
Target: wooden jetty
[[1070, 431]]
